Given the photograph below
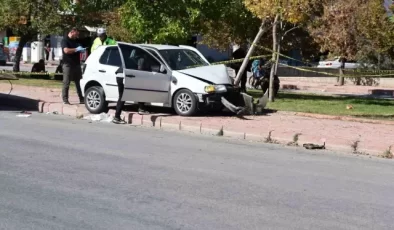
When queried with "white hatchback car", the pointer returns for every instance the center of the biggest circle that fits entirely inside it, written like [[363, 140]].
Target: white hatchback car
[[170, 81]]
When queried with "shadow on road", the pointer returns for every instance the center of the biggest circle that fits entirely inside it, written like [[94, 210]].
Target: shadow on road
[[16, 103]]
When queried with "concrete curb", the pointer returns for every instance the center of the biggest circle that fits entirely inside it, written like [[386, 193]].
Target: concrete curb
[[165, 122]]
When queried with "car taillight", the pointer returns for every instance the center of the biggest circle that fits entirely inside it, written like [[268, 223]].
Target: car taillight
[[329, 64]]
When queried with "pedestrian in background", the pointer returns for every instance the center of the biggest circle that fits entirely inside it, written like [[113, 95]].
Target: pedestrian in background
[[47, 51], [102, 39], [71, 64]]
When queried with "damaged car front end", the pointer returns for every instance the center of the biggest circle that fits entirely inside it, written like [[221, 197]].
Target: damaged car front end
[[220, 92], [228, 97]]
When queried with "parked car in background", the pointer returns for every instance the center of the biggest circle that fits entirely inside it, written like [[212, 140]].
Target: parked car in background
[[334, 63], [3, 57]]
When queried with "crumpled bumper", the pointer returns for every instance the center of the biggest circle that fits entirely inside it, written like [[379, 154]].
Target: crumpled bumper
[[236, 102]]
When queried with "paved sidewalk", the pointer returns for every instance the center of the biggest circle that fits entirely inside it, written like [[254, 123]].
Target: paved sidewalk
[[338, 132]]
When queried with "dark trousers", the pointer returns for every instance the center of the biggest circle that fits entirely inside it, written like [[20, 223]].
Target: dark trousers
[[244, 79], [243, 82], [120, 103], [46, 55], [71, 73]]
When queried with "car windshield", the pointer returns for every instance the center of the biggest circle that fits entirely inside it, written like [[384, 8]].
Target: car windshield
[[179, 59]]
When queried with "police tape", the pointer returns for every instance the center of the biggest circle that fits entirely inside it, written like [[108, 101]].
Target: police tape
[[360, 72], [232, 61]]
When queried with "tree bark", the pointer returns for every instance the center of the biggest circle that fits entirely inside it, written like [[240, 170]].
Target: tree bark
[[341, 80], [22, 42], [274, 55], [277, 58], [250, 52]]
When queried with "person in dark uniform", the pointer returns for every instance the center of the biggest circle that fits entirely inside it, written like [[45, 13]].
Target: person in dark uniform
[[71, 64]]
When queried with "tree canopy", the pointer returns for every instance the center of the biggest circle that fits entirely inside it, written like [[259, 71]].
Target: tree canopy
[[353, 29], [174, 21]]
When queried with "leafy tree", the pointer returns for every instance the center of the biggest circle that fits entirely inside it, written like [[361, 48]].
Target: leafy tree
[[355, 30], [336, 28], [115, 27], [231, 23], [28, 18], [293, 12], [219, 21], [376, 32], [170, 21]]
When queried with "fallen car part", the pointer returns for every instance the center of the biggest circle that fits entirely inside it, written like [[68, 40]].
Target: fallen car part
[[245, 105], [261, 103], [235, 109], [314, 146]]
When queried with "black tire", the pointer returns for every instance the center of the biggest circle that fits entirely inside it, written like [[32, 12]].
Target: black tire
[[95, 101], [3, 63], [185, 103]]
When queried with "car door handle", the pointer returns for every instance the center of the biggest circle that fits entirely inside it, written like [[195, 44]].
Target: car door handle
[[102, 71], [130, 76]]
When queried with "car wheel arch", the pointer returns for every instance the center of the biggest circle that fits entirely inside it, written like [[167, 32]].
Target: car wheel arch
[[194, 105], [174, 94], [91, 84]]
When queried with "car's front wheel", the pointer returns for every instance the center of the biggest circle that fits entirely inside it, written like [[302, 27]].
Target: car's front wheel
[[95, 100], [185, 103]]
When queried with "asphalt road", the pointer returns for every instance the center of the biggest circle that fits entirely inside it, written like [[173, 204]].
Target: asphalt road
[[61, 173]]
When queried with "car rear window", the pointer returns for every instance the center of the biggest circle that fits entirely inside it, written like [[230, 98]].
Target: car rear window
[[111, 57]]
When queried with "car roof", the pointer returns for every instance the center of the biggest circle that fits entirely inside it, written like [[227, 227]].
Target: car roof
[[156, 46], [160, 47]]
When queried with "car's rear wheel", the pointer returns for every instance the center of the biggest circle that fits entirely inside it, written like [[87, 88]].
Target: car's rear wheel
[[185, 103], [95, 100]]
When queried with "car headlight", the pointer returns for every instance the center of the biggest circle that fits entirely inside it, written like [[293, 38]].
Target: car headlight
[[215, 89]]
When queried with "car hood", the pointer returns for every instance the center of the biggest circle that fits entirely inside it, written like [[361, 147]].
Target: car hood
[[213, 74]]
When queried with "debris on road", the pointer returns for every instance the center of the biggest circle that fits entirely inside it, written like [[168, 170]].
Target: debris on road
[[314, 146], [103, 117], [24, 114], [54, 112]]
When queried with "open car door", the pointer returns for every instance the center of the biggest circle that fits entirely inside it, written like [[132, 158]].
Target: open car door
[[146, 78]]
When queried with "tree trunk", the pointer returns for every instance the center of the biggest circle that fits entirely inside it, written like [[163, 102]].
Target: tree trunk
[[249, 54], [22, 42], [341, 80], [274, 55], [277, 58]]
